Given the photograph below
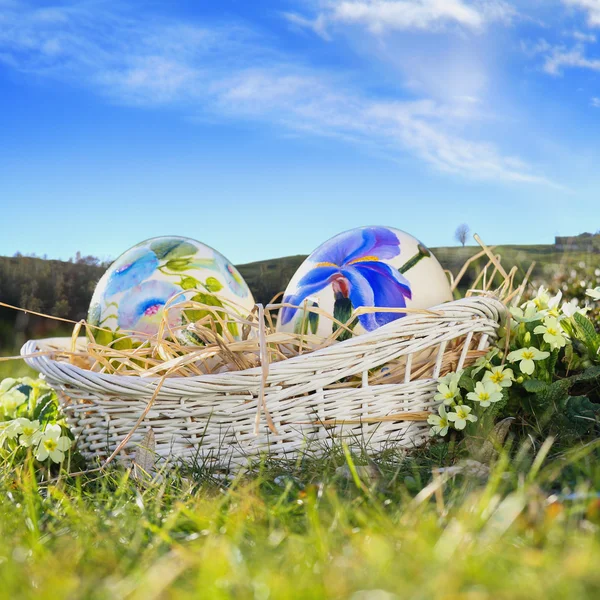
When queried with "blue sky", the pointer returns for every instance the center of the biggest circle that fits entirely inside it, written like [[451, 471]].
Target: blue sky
[[264, 128]]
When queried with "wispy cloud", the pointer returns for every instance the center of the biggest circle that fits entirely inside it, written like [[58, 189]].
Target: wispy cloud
[[379, 16], [580, 36], [231, 73], [590, 7], [595, 102]]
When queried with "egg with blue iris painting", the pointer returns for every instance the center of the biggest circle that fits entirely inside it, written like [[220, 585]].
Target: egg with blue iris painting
[[131, 296], [371, 267]]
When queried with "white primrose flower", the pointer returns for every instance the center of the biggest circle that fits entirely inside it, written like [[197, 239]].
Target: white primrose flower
[[554, 303], [439, 422], [483, 362], [451, 378], [486, 393], [461, 415], [6, 384], [11, 400], [571, 308], [501, 376], [29, 432], [593, 293], [7, 431], [52, 445], [447, 392], [543, 300], [527, 314], [552, 332], [527, 356]]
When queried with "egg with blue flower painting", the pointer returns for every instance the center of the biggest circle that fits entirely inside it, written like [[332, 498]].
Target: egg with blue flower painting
[[163, 273], [364, 268]]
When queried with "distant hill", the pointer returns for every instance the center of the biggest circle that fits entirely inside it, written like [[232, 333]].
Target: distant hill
[[64, 289]]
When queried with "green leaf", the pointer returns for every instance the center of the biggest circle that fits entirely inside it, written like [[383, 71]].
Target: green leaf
[[103, 337], [535, 386], [467, 383], [590, 374], [213, 284], [178, 264], [172, 248], [587, 332], [94, 314], [189, 283], [123, 343], [193, 315]]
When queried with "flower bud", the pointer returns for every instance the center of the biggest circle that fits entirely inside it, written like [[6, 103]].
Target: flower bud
[[519, 379], [527, 338]]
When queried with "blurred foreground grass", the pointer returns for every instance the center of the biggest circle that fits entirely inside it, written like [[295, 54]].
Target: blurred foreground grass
[[319, 528]]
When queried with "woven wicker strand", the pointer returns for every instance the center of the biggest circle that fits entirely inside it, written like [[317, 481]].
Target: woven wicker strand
[[226, 419]]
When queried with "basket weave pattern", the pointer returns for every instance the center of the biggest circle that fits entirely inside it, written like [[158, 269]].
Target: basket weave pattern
[[221, 418]]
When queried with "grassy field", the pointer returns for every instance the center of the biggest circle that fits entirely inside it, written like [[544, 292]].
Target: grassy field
[[428, 524], [327, 528]]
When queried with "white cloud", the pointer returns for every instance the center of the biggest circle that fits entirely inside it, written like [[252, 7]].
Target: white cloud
[[580, 36], [229, 73], [591, 7], [560, 58], [379, 16], [318, 25], [595, 102]]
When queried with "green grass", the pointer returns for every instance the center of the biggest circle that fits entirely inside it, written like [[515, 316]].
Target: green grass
[[323, 528], [335, 527]]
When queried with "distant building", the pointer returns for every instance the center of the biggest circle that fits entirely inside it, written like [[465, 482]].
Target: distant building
[[584, 242]]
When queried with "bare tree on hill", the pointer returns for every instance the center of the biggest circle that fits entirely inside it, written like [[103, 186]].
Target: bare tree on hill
[[462, 233]]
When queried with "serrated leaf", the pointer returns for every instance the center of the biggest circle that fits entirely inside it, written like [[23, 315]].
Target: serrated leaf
[[590, 374], [588, 332], [467, 383], [535, 386]]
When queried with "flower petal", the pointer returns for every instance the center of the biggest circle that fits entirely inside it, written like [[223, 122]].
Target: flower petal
[[358, 243], [130, 271], [361, 294], [390, 288], [314, 281]]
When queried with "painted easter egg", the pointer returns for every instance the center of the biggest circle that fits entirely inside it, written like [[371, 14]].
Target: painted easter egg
[[132, 294], [364, 267]]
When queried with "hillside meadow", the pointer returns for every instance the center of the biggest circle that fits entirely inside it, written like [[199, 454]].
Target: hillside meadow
[[448, 520]]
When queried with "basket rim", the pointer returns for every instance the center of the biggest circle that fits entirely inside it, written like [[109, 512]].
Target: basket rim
[[483, 306]]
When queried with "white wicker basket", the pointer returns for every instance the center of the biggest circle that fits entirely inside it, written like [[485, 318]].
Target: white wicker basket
[[310, 399]]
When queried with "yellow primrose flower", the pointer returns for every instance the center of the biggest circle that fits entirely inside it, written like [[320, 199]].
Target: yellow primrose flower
[[571, 308], [483, 362], [28, 431], [552, 332], [11, 400], [461, 415], [52, 445], [7, 431], [593, 293], [451, 378], [447, 392], [527, 314], [501, 376], [439, 423], [527, 356], [486, 393], [6, 384]]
